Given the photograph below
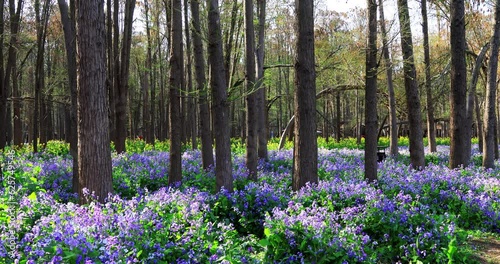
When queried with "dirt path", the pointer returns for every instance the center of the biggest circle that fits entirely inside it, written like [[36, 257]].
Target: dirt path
[[488, 249]]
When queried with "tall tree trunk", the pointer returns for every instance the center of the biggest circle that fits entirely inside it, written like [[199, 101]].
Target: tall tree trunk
[[15, 16], [121, 94], [207, 155], [371, 122], [262, 124], [490, 112], [305, 151], [3, 90], [471, 99], [68, 21], [431, 127], [176, 81], [393, 120], [94, 154], [251, 138], [41, 24], [149, 124], [191, 109], [220, 105], [229, 40], [458, 94], [411, 88], [110, 68]]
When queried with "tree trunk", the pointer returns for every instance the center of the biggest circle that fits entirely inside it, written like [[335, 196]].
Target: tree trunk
[[338, 136], [149, 124], [371, 122], [251, 98], [458, 86], [41, 24], [411, 88], [305, 151], [431, 127], [122, 78], [3, 90], [15, 16], [471, 98], [262, 128], [94, 153], [176, 81], [490, 112], [207, 155], [191, 109], [220, 106], [479, 124], [68, 22]]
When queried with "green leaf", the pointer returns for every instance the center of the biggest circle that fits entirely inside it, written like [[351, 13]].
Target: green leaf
[[267, 232], [264, 242], [32, 197]]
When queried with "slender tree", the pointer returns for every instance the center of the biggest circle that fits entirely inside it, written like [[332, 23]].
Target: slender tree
[[122, 75], [176, 84], [371, 122], [262, 129], [411, 88], [393, 122], [3, 90], [68, 23], [490, 108], [191, 108], [458, 77], [42, 18], [11, 70], [251, 137], [207, 155], [305, 151], [220, 104], [94, 153], [471, 102], [431, 128]]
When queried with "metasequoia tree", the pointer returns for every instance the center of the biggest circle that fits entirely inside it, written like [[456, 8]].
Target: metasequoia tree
[[490, 111], [122, 70], [251, 114], [94, 153], [207, 155], [11, 70], [371, 121], [472, 104], [411, 88], [176, 81], [431, 128], [42, 18], [305, 151], [261, 90], [68, 23], [458, 78], [3, 89], [220, 104], [393, 126]]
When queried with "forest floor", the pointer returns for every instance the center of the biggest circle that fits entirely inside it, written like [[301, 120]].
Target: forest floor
[[488, 249]]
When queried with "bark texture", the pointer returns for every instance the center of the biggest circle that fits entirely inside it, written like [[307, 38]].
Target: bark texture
[[371, 121], [207, 154], [411, 88], [94, 153], [490, 108], [305, 151], [176, 84], [220, 104]]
